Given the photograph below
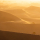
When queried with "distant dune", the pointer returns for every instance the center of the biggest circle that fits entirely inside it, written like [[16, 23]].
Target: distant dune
[[7, 17], [34, 11], [18, 12], [29, 14], [22, 14], [4, 16]]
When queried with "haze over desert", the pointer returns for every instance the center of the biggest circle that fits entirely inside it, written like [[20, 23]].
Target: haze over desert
[[19, 19]]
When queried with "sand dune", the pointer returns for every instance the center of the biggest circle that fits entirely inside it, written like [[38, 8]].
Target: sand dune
[[4, 16], [34, 11], [25, 15], [6, 35], [17, 12], [14, 23], [20, 28]]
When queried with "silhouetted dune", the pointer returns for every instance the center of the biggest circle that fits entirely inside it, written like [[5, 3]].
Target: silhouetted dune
[[4, 16], [5, 35]]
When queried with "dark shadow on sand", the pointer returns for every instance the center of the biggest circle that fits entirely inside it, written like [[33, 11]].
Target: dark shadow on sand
[[5, 35]]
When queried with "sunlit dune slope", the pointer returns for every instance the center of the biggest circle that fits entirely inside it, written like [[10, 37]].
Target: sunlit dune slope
[[34, 11], [28, 14], [4, 16], [7, 17], [19, 12]]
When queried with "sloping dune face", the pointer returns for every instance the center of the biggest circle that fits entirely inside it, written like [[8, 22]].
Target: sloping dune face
[[18, 12], [7, 17]]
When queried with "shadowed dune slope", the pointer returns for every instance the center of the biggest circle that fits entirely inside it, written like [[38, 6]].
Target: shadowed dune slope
[[5, 35], [7, 17]]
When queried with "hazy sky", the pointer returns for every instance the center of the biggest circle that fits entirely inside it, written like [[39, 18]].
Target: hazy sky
[[22, 2]]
